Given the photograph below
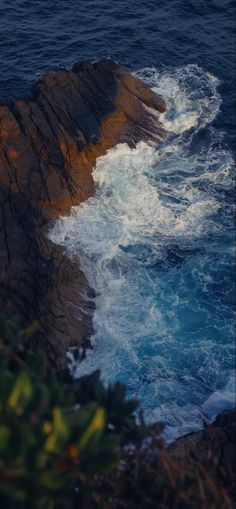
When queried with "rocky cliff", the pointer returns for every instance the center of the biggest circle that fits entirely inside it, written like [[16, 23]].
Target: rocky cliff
[[49, 142], [217, 440]]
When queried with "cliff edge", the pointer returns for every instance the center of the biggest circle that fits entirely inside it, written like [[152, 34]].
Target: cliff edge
[[49, 142]]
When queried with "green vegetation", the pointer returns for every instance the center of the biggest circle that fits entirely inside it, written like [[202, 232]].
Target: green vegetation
[[75, 444]]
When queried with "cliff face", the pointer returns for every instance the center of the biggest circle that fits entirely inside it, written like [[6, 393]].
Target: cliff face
[[216, 440], [49, 142]]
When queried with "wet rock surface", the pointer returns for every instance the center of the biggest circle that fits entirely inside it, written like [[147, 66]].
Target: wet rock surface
[[49, 142]]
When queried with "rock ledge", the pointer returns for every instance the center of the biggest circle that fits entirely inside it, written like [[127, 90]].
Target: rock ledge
[[49, 142]]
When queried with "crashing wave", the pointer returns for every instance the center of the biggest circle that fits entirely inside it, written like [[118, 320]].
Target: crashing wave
[[150, 242]]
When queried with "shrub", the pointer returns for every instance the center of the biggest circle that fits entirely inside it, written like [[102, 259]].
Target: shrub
[[148, 478], [54, 432], [68, 443]]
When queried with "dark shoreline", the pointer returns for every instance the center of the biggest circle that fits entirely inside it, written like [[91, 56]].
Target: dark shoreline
[[49, 142]]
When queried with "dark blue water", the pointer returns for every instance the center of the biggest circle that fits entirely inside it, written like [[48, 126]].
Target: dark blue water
[[160, 253], [37, 35]]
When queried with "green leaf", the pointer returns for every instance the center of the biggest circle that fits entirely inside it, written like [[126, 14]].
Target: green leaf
[[95, 428], [21, 393], [60, 431], [5, 434]]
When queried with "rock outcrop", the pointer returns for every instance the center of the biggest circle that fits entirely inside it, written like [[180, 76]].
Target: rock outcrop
[[217, 440], [49, 142]]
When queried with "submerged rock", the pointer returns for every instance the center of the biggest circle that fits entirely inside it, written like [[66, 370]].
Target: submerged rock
[[49, 142]]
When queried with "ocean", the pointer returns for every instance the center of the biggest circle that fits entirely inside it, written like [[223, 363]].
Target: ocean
[[161, 245]]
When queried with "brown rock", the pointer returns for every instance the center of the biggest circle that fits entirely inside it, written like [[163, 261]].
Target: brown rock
[[217, 441], [49, 142]]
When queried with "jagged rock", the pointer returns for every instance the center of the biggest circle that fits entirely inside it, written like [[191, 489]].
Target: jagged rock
[[49, 142], [217, 440]]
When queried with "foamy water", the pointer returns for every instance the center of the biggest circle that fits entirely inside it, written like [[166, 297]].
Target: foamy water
[[156, 243]]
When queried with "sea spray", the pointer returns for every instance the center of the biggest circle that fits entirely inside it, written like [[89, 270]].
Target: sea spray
[[156, 244]]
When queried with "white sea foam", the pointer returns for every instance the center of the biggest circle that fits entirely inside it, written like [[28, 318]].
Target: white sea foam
[[143, 241], [190, 93], [221, 399]]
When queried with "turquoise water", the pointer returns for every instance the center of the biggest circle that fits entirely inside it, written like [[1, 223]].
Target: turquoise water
[[157, 245]]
